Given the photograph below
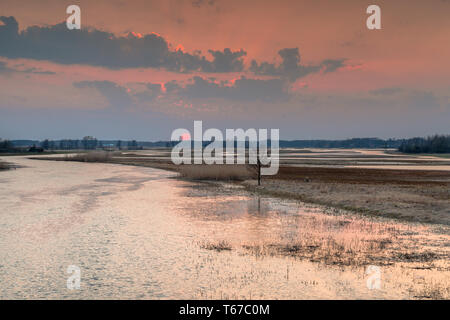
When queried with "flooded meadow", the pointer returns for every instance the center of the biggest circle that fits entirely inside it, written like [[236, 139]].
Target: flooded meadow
[[141, 233]]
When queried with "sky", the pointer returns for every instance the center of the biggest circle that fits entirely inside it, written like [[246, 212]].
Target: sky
[[139, 69]]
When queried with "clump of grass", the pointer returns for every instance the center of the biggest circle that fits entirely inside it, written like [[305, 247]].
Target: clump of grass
[[433, 290], [216, 172], [94, 156], [221, 245], [344, 240]]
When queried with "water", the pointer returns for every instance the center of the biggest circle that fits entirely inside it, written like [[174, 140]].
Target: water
[[139, 233]]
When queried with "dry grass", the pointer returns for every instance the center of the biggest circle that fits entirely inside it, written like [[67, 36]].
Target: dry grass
[[94, 156], [412, 258], [216, 172], [348, 240], [355, 242], [363, 176], [216, 246], [434, 290], [351, 241]]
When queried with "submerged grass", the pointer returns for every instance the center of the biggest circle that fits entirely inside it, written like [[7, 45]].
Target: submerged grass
[[408, 255], [351, 241]]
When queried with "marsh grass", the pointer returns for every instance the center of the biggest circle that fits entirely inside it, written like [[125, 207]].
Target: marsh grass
[[94, 156], [221, 245], [434, 290], [407, 254], [343, 240], [346, 240], [225, 172]]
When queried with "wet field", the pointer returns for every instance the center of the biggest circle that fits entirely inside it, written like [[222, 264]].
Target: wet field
[[138, 232]]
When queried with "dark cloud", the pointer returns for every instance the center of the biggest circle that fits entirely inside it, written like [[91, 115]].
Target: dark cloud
[[227, 61], [9, 29], [290, 68], [116, 95], [197, 88], [98, 48], [243, 89], [172, 86]]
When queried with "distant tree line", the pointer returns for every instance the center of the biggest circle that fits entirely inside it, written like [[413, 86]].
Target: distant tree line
[[433, 144], [90, 143], [6, 145], [87, 143], [369, 143]]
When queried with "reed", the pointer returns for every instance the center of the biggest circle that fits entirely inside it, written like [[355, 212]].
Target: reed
[[94, 156]]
